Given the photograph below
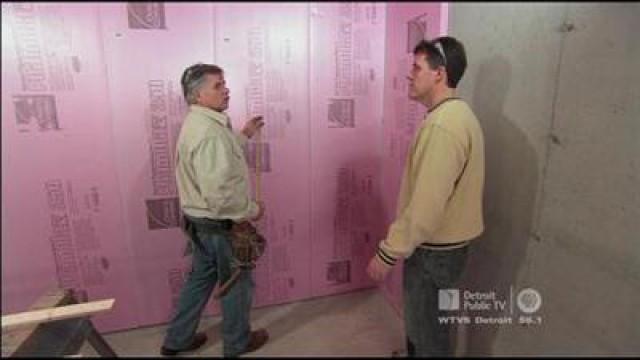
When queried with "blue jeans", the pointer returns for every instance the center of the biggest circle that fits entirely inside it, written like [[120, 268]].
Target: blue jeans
[[425, 272], [211, 262]]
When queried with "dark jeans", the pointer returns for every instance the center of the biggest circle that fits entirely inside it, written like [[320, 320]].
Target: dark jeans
[[425, 272], [211, 262]]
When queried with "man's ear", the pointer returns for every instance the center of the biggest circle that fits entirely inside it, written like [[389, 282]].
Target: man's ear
[[442, 74]]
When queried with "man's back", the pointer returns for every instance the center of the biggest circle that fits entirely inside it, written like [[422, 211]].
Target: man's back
[[462, 219]]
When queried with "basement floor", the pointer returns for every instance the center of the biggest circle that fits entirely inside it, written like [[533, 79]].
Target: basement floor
[[359, 323]]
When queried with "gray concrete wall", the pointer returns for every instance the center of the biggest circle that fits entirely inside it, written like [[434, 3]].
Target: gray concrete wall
[[557, 90]]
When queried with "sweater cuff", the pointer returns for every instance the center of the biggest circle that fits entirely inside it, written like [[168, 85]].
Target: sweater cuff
[[385, 257]]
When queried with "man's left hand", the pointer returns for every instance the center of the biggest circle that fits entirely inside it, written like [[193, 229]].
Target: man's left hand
[[252, 126], [377, 270]]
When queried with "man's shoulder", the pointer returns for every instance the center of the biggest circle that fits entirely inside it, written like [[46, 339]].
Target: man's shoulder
[[456, 108], [457, 120], [455, 116], [197, 125], [197, 130]]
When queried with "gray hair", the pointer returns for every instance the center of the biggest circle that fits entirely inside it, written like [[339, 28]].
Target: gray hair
[[193, 77]]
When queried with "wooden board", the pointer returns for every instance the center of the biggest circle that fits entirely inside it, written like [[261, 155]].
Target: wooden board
[[56, 313], [56, 326], [13, 339]]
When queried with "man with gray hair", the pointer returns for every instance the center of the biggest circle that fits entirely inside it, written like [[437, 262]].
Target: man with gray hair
[[213, 185]]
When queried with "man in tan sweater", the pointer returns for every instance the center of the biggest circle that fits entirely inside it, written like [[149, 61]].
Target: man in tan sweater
[[439, 207]]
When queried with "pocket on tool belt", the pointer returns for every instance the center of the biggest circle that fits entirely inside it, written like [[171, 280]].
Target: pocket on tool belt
[[247, 244]]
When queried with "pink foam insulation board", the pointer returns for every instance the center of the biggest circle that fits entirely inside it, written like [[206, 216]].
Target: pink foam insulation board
[[61, 197], [91, 110], [346, 82], [265, 51], [407, 24], [146, 48]]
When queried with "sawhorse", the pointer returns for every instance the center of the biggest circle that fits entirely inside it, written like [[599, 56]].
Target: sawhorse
[[56, 338]]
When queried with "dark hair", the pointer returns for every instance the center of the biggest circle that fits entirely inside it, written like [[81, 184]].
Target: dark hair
[[445, 51], [193, 77]]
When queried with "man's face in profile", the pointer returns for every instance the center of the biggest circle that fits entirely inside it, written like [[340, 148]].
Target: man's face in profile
[[422, 79], [214, 93]]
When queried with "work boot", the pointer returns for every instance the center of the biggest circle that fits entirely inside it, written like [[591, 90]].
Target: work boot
[[198, 340]]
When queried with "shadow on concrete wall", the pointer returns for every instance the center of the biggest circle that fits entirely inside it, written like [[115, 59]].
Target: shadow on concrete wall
[[511, 181]]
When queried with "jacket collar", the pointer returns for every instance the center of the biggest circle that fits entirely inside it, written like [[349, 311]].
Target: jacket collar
[[220, 117]]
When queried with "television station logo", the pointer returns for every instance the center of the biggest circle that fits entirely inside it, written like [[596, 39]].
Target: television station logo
[[501, 308]]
